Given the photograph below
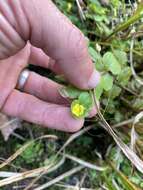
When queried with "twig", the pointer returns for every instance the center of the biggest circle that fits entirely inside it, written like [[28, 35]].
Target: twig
[[31, 173], [85, 164], [82, 179], [82, 16], [18, 136], [4, 174], [134, 135], [51, 170], [126, 122], [127, 89], [8, 123], [69, 187], [21, 186], [15, 155], [23, 148], [138, 163], [59, 178], [74, 136]]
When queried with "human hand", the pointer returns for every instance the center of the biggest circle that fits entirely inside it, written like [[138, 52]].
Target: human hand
[[51, 35]]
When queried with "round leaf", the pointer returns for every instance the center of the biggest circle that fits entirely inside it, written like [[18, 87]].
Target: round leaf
[[85, 99], [98, 91], [111, 63], [107, 82]]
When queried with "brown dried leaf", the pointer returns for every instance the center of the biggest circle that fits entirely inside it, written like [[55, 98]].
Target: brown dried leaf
[[8, 125]]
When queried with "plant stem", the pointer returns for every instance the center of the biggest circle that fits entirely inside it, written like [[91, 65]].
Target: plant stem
[[136, 16]]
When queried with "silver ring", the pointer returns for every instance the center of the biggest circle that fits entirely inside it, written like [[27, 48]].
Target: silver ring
[[23, 78]]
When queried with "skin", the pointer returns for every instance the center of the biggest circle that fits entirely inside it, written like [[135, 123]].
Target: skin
[[36, 32]]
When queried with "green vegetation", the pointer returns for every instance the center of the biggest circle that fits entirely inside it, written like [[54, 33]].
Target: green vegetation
[[114, 30]]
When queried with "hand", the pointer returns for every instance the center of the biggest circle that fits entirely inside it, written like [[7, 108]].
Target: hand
[[50, 35]]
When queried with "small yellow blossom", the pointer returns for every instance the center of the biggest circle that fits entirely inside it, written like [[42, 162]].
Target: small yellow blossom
[[78, 110]]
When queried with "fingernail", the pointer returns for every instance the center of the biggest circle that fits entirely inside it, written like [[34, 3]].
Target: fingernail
[[94, 79]]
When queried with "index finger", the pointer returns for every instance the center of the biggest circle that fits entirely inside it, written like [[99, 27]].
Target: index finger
[[46, 27], [32, 109], [65, 43]]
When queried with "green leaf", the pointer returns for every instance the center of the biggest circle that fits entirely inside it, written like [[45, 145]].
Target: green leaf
[[107, 82], [106, 30], [135, 180], [85, 99], [111, 63], [124, 179], [98, 91], [138, 104], [99, 18], [96, 57], [94, 54], [114, 92], [108, 183], [70, 92], [96, 8], [110, 105], [32, 152], [121, 56], [118, 116], [124, 76]]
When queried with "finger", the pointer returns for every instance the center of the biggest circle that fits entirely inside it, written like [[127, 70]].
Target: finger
[[64, 43], [44, 89], [48, 90], [10, 71], [31, 109], [93, 112], [39, 58], [47, 28]]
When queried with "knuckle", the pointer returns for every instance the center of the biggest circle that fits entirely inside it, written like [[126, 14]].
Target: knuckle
[[10, 40], [47, 116], [77, 44], [21, 106], [44, 116], [43, 85], [4, 96]]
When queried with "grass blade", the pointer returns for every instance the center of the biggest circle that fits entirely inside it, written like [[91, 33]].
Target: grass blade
[[128, 152], [125, 181], [134, 18]]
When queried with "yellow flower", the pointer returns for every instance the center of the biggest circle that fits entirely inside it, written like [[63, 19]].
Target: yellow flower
[[78, 109]]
